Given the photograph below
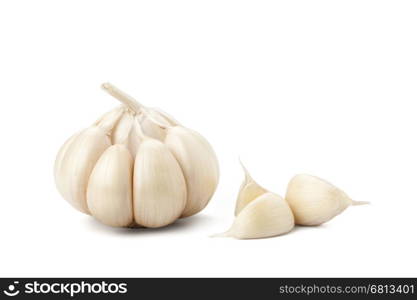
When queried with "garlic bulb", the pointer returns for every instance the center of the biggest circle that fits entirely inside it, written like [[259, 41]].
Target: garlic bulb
[[259, 213], [136, 166], [314, 201], [266, 216]]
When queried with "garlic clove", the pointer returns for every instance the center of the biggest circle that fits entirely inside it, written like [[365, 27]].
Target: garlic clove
[[77, 158], [168, 118], [74, 166], [133, 142], [199, 166], [58, 164], [109, 114], [109, 191], [315, 201], [122, 129], [249, 191], [266, 216], [159, 189], [123, 133], [150, 128]]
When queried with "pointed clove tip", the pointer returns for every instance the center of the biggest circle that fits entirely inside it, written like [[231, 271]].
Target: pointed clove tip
[[243, 166], [357, 203], [241, 162]]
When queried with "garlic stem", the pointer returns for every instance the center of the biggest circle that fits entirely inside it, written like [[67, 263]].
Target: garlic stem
[[126, 99], [132, 103]]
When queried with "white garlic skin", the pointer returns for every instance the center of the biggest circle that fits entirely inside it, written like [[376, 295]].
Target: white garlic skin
[[150, 128], [109, 192], [249, 191], [159, 188], [247, 194], [109, 114], [60, 184], [121, 130], [74, 164], [266, 216], [78, 156], [199, 165], [315, 201]]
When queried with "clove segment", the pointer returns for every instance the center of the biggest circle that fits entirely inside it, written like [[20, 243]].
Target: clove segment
[[315, 201], [77, 158], [249, 191], [199, 166], [109, 192], [259, 213], [159, 187], [266, 216]]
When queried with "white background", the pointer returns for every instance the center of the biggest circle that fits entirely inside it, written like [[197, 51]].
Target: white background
[[321, 87]]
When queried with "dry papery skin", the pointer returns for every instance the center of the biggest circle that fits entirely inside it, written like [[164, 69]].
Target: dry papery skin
[[136, 166]]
